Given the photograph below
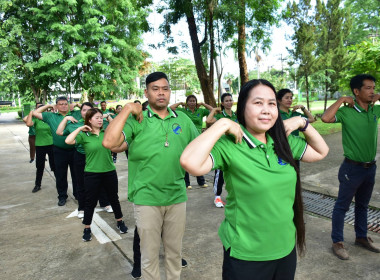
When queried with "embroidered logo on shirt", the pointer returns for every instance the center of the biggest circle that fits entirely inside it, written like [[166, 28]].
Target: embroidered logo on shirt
[[281, 162], [177, 129]]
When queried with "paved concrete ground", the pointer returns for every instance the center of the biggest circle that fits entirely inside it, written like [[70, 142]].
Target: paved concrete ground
[[39, 241]]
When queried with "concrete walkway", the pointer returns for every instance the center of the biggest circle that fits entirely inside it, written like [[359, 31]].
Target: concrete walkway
[[39, 240]]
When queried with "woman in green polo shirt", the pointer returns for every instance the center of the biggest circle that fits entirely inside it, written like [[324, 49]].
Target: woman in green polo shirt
[[285, 99], [100, 171], [264, 212], [192, 109]]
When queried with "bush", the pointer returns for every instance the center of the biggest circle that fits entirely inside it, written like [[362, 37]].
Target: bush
[[19, 112]]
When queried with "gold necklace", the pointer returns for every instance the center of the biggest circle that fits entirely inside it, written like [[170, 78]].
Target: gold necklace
[[166, 132]]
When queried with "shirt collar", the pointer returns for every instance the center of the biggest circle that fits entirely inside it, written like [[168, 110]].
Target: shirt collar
[[172, 114], [252, 142]]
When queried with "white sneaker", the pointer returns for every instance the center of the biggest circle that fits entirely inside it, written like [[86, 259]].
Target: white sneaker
[[218, 202], [80, 214], [108, 209]]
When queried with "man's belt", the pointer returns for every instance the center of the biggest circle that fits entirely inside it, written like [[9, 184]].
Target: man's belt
[[364, 164]]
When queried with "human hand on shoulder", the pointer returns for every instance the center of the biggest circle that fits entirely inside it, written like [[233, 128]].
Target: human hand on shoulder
[[85, 128], [232, 128], [135, 109], [217, 110], [71, 118], [347, 101], [294, 123], [296, 107]]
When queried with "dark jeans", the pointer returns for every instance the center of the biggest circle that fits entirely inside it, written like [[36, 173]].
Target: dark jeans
[[63, 159], [200, 180], [136, 249], [218, 182], [93, 183], [355, 181], [79, 164], [41, 152], [281, 269]]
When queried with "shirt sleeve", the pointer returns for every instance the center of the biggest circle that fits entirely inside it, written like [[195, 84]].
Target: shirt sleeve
[[219, 153], [46, 116], [129, 129], [298, 146], [79, 139], [339, 115]]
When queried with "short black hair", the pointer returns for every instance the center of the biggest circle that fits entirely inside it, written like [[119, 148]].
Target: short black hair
[[357, 81], [60, 98], [155, 76], [191, 96], [89, 104], [280, 94], [137, 101], [103, 102]]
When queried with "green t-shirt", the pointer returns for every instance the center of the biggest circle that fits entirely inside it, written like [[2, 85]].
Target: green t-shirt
[[291, 114], [105, 120], [196, 117], [76, 114], [223, 114], [98, 158], [155, 176], [70, 127], [359, 131], [43, 133], [258, 224], [53, 120]]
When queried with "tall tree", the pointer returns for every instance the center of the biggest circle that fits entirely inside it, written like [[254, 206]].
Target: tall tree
[[73, 45], [333, 23], [366, 20], [251, 21], [304, 39]]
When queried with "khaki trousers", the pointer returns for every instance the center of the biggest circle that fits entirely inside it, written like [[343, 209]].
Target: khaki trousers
[[156, 223]]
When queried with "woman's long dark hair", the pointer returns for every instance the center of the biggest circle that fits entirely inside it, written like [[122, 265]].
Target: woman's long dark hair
[[282, 149], [89, 114]]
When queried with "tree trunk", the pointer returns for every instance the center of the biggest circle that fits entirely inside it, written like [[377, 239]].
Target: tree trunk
[[241, 44], [326, 92], [204, 79], [307, 92]]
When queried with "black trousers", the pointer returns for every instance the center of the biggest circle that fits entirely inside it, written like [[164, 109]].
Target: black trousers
[[218, 182], [63, 159], [41, 152], [79, 165], [281, 269], [200, 180], [93, 183], [136, 249]]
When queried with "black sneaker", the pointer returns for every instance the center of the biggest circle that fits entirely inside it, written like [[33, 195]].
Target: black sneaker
[[136, 272], [31, 160], [184, 263], [36, 189], [61, 201], [114, 160], [87, 235], [122, 227]]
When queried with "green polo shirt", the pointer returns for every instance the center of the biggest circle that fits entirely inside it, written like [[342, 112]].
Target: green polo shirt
[[359, 131], [70, 127], [105, 121], [291, 114], [155, 176], [76, 114], [223, 114], [258, 224], [98, 158], [43, 133], [31, 131], [53, 120], [196, 117]]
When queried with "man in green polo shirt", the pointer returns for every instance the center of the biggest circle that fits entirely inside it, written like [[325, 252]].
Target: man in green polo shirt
[[156, 186], [63, 153], [107, 114], [357, 173]]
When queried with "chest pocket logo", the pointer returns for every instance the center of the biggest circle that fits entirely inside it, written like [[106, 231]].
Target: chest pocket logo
[[177, 129], [281, 162]]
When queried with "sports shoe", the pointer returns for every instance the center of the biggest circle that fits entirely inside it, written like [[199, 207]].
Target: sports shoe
[[340, 251], [87, 235], [36, 189], [114, 160], [368, 244], [61, 201], [184, 263], [122, 227], [204, 186], [218, 202], [136, 272], [80, 214], [31, 160], [108, 209], [189, 187]]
